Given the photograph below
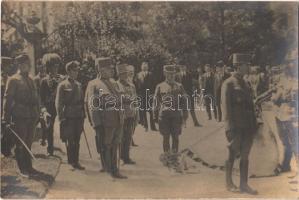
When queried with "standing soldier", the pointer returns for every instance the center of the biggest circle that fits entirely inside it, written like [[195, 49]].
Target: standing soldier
[[93, 111], [208, 86], [48, 90], [106, 115], [170, 108], [21, 108], [186, 79], [41, 73], [125, 71], [240, 125], [219, 74], [70, 111], [7, 140], [145, 87]]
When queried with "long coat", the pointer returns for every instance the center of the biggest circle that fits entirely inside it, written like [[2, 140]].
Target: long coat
[[237, 104]]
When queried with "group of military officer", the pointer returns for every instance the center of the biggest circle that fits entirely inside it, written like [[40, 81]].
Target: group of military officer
[[112, 110]]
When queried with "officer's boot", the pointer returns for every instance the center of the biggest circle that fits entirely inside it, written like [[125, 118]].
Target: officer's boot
[[20, 157], [244, 187], [230, 186], [69, 153], [102, 156], [166, 145], [115, 170], [107, 158], [175, 144], [76, 164]]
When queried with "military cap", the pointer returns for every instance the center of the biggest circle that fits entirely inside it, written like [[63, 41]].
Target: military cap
[[170, 69], [72, 65], [123, 68], [22, 58], [220, 63], [51, 59], [103, 62]]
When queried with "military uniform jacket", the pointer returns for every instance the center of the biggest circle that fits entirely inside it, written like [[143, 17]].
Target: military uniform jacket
[[69, 100], [103, 104], [208, 83], [128, 99], [237, 105], [171, 100], [48, 91], [21, 98]]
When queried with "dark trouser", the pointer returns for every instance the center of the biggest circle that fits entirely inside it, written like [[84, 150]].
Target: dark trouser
[[143, 119], [192, 110], [7, 141], [73, 129], [99, 138], [210, 104], [175, 143], [25, 129], [170, 127], [289, 137], [112, 141], [240, 145], [50, 135], [44, 129], [218, 111], [128, 130]]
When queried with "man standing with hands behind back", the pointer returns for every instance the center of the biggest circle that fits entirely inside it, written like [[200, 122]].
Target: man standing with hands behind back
[[70, 111]]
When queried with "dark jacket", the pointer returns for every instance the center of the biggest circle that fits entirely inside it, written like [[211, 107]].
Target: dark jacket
[[69, 100], [237, 105], [21, 98]]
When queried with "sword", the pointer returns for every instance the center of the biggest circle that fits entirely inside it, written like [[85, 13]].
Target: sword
[[23, 143], [87, 143]]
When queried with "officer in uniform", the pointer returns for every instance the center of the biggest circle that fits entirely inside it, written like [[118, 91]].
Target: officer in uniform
[[7, 140], [240, 125], [48, 90], [106, 116], [170, 108], [70, 111], [208, 86], [186, 79], [41, 73], [145, 86], [130, 110], [21, 108], [93, 111]]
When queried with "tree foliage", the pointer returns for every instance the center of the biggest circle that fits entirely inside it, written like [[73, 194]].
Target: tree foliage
[[192, 33]]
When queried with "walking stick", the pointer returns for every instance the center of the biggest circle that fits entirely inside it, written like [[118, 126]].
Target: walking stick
[[87, 143], [22, 142]]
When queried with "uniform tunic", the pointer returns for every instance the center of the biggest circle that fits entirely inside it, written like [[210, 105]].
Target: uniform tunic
[[238, 114], [171, 106], [21, 105]]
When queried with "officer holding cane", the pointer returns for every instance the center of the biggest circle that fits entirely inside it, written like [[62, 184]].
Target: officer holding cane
[[21, 112], [70, 111]]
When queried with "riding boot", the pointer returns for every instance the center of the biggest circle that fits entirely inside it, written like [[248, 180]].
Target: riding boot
[[20, 157], [230, 186], [107, 158], [175, 144], [244, 187], [115, 170], [166, 145]]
